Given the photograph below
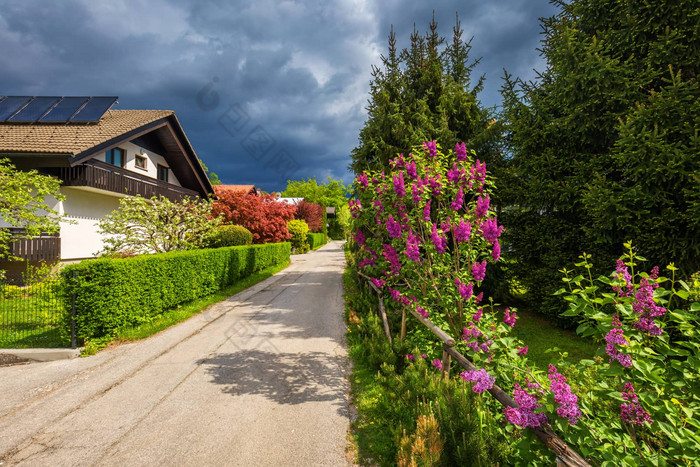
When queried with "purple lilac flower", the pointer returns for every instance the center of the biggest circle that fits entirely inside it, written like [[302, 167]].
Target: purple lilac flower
[[393, 227], [378, 205], [439, 241], [622, 273], [471, 336], [479, 270], [360, 237], [478, 298], [410, 357], [399, 185], [568, 402], [478, 173], [654, 273], [426, 211], [461, 152], [435, 184], [362, 180], [524, 415], [411, 170], [459, 200], [644, 305], [631, 411], [392, 257], [405, 301], [355, 208], [421, 311], [416, 192], [455, 174], [378, 283], [462, 231], [395, 294], [477, 315], [482, 206], [465, 290], [490, 230], [613, 338], [496, 252], [397, 161], [523, 350], [437, 364], [510, 318], [412, 251], [430, 148], [484, 381]]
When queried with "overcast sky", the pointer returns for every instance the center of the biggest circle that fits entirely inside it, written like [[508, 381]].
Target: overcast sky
[[262, 88]]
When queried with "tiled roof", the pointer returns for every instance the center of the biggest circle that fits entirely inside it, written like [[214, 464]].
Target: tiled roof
[[73, 139], [234, 188]]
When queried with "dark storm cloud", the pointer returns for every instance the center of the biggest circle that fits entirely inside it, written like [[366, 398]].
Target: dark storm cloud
[[299, 70]]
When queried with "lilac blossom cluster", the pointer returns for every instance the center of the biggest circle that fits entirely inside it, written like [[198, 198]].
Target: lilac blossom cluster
[[631, 411], [568, 402], [510, 318], [484, 381], [645, 306], [524, 414], [614, 338]]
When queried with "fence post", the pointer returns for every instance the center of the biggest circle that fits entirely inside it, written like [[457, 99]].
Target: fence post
[[73, 343]]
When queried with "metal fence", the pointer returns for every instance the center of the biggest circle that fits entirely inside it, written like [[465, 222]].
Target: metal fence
[[31, 313]]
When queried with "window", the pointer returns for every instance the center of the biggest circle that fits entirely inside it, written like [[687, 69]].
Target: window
[[116, 157], [163, 173], [140, 162]]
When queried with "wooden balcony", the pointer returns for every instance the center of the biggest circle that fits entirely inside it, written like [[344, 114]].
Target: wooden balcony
[[102, 176]]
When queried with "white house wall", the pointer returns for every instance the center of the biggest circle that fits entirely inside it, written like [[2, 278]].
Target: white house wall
[[80, 238], [151, 164]]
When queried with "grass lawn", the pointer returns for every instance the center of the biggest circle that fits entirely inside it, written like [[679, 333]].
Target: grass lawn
[[181, 313], [540, 334], [31, 320]]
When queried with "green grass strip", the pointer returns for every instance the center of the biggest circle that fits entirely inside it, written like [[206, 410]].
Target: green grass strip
[[181, 313]]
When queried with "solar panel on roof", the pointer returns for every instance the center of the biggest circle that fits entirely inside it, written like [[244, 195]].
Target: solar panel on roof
[[10, 105], [34, 110], [94, 109], [64, 109]]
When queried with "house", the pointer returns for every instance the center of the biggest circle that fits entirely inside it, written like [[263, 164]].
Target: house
[[293, 201], [248, 189], [100, 155]]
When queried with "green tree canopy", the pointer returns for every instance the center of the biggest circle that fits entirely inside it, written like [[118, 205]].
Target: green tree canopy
[[24, 202], [425, 93], [605, 143], [332, 193]]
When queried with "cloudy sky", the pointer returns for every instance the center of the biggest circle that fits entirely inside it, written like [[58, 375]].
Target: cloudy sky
[[262, 88]]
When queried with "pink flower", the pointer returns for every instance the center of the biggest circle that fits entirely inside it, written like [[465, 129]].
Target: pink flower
[[426, 211], [644, 305], [482, 206], [462, 231], [479, 270], [568, 402], [477, 315], [437, 364], [362, 180], [496, 253], [430, 148], [421, 311], [465, 290], [490, 230], [393, 227], [524, 415], [484, 381], [411, 170], [623, 274], [523, 350], [392, 257], [410, 357], [461, 152], [399, 186], [614, 338], [412, 252], [438, 240], [378, 283], [631, 411], [459, 200], [360, 237], [509, 318]]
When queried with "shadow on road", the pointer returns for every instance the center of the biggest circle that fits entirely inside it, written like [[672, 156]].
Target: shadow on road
[[286, 378]]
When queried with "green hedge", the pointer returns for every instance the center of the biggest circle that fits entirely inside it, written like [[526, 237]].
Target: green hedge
[[116, 292], [230, 235], [316, 240]]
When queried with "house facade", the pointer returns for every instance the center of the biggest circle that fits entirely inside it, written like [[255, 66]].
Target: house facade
[[116, 154]]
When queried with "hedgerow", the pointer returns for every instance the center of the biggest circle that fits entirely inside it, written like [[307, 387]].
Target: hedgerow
[[115, 292], [316, 240]]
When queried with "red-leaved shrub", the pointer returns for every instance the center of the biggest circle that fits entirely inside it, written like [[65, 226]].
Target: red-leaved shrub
[[263, 215], [312, 213]]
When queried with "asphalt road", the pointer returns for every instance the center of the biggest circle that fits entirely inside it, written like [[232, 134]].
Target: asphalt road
[[259, 379]]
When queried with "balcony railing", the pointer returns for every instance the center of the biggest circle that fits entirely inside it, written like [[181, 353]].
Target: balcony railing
[[107, 177], [41, 248]]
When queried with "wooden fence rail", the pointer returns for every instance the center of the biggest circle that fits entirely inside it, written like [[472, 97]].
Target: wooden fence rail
[[565, 455]]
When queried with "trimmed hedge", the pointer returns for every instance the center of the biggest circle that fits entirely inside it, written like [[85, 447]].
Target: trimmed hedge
[[316, 240], [230, 235], [299, 230], [116, 292]]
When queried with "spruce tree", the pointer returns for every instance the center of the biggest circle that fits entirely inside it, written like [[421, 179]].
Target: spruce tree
[[604, 144]]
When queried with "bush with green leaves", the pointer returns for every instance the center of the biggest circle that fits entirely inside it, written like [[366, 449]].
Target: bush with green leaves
[[299, 231], [116, 292], [315, 240], [230, 235], [157, 225]]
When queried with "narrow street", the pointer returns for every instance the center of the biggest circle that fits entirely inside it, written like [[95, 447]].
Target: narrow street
[[259, 379]]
